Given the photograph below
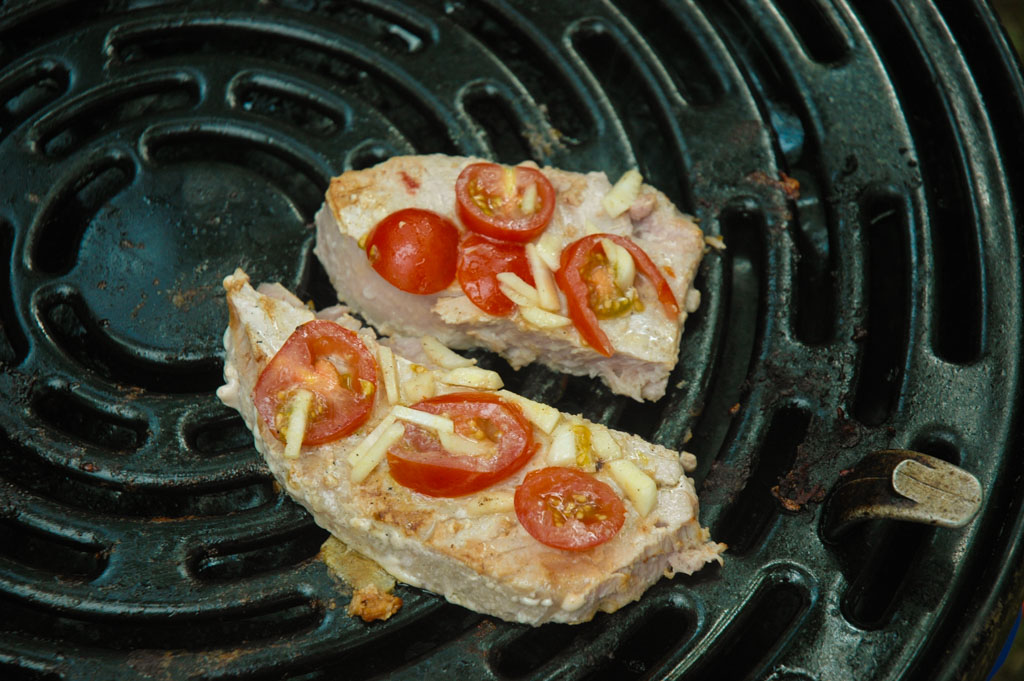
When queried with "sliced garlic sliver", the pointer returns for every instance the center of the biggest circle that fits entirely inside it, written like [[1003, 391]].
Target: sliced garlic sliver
[[563, 447], [359, 450], [425, 419], [528, 204], [715, 241], [491, 502], [549, 247], [443, 356], [298, 415], [464, 446], [386, 360], [542, 318], [515, 296], [622, 195], [375, 453], [541, 415], [543, 279], [605, 446], [419, 386], [622, 264], [473, 377], [511, 280], [638, 486]]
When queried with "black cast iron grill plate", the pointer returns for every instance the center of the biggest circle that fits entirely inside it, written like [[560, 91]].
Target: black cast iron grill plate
[[149, 147]]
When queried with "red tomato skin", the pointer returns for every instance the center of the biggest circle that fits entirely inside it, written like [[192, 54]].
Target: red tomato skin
[[571, 282], [511, 226], [342, 411], [418, 462], [480, 259], [415, 250], [535, 513]]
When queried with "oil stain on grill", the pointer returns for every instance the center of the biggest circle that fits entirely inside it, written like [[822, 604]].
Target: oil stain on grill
[[358, 72], [885, 222], [958, 314]]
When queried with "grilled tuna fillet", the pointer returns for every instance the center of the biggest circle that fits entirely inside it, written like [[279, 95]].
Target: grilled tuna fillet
[[471, 549], [646, 342]]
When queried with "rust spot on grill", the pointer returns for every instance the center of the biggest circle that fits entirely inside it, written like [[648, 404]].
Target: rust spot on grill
[[786, 184]]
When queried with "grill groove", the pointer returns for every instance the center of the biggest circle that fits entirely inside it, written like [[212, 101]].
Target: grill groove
[[746, 648], [885, 337], [490, 108], [959, 310], [747, 520], [66, 214], [815, 25], [153, 195], [639, 104], [13, 344], [88, 422], [29, 88], [44, 551], [110, 107]]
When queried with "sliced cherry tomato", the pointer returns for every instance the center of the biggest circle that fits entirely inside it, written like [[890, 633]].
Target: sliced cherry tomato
[[582, 278], [568, 509], [502, 202], [415, 250], [480, 260], [419, 462], [331, 362]]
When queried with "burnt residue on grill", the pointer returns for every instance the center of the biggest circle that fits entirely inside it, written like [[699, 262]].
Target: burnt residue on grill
[[848, 153]]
